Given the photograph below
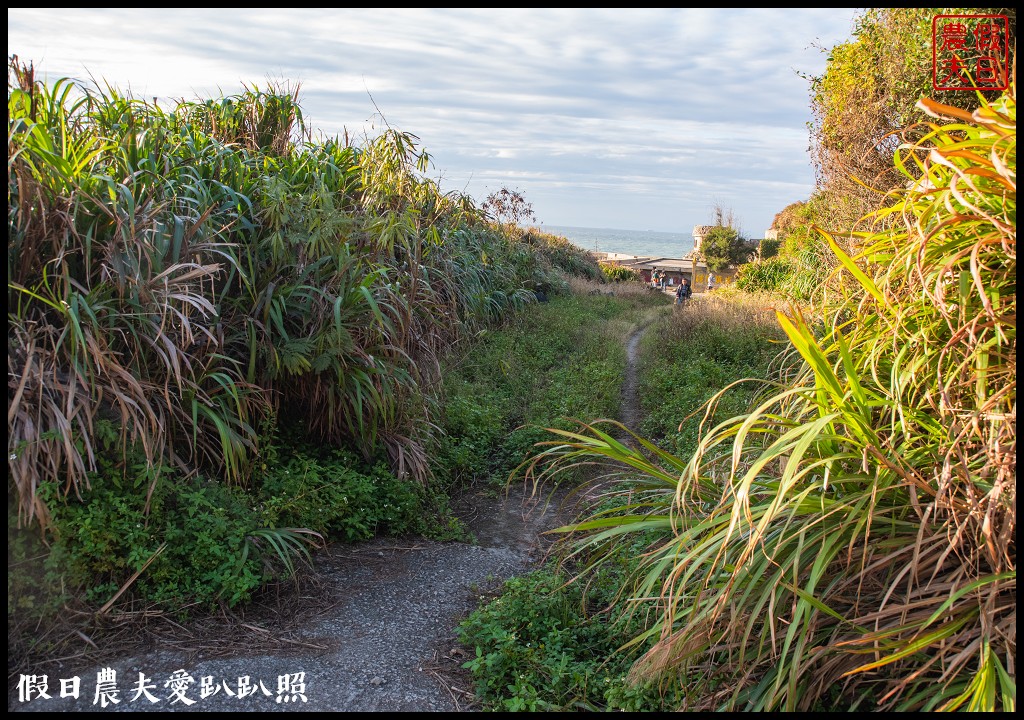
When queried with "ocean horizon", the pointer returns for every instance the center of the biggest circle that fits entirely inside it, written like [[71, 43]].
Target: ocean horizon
[[630, 242]]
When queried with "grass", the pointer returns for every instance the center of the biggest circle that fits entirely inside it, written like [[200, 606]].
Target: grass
[[553, 640], [189, 285], [557, 360], [848, 538]]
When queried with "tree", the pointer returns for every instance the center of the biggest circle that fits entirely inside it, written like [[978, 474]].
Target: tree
[[509, 206], [723, 247], [864, 105]]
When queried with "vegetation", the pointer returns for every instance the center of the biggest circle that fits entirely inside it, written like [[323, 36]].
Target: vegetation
[[616, 273], [864, 105], [770, 275], [850, 539], [723, 247], [194, 289], [547, 643], [561, 359], [509, 206], [229, 342], [768, 248]]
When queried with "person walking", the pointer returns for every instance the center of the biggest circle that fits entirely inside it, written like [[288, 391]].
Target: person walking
[[683, 292]]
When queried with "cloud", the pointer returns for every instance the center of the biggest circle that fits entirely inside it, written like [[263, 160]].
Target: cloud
[[606, 117]]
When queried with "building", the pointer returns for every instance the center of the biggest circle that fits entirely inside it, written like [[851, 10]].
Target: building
[[675, 269]]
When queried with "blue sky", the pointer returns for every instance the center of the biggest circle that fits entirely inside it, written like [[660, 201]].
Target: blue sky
[[636, 119]]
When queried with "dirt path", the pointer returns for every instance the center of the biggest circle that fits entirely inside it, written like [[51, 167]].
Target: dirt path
[[629, 404], [375, 632]]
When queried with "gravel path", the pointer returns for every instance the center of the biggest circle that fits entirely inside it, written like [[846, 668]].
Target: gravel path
[[384, 640], [376, 633]]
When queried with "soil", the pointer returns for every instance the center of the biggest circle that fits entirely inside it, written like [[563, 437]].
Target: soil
[[372, 628]]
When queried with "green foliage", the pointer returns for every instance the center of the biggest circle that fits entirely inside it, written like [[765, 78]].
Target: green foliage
[[768, 248], [771, 275], [545, 646], [340, 496], [803, 266], [686, 359], [559, 258], [193, 538], [556, 360], [723, 247], [199, 542], [619, 273], [854, 528]]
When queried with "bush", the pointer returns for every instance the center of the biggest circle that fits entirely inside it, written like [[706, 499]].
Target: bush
[[772, 275], [193, 537], [545, 646], [620, 273], [723, 247], [768, 248], [340, 496]]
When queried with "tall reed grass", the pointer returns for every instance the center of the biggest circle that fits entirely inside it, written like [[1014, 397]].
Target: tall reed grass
[[204, 273], [850, 540]]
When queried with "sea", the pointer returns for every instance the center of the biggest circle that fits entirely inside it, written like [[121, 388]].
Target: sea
[[630, 242]]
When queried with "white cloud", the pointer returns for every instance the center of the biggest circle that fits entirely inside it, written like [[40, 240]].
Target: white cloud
[[611, 118]]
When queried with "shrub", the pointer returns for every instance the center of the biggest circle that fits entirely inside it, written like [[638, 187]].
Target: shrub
[[191, 540], [771, 275], [853, 533], [339, 496], [545, 646], [768, 248], [619, 273]]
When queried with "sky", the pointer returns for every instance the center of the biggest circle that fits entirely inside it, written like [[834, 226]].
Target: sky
[[639, 119]]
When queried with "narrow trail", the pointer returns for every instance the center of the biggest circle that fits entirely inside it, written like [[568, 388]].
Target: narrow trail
[[629, 403], [629, 399], [375, 631]]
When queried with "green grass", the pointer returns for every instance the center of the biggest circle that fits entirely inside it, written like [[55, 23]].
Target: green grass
[[848, 538], [688, 357], [553, 362], [548, 644]]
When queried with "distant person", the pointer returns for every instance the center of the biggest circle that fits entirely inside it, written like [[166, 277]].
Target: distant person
[[683, 292], [711, 282]]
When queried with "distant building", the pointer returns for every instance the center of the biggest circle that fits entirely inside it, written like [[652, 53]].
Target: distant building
[[675, 269], [699, 233], [771, 234]]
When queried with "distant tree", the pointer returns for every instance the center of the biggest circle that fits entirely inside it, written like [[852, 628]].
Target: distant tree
[[768, 247], [724, 217], [723, 247], [509, 206]]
